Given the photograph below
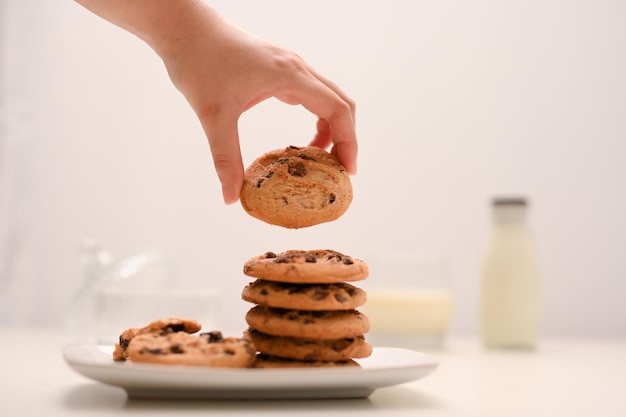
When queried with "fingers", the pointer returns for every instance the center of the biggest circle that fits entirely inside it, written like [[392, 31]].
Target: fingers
[[345, 154], [336, 112], [322, 137], [336, 89], [346, 146], [220, 127]]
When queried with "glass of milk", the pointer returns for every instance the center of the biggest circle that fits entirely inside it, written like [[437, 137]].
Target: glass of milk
[[408, 301]]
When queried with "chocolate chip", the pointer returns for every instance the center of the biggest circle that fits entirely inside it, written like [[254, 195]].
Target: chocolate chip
[[333, 256], [341, 298], [176, 327], [229, 352], [176, 349], [348, 261], [259, 182], [213, 336], [310, 259], [342, 344], [332, 198], [270, 175], [294, 288], [306, 157], [320, 295], [264, 292], [296, 169], [269, 255], [281, 260], [124, 342]]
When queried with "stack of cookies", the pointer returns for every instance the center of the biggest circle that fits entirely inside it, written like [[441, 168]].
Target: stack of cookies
[[306, 311]]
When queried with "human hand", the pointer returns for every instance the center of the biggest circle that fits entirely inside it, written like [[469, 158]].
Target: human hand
[[223, 71]]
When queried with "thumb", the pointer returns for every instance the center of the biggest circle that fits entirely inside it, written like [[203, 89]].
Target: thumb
[[223, 136]]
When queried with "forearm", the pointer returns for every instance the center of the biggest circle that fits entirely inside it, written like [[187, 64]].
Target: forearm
[[160, 23]]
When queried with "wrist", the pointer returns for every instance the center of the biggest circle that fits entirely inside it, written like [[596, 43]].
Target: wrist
[[179, 24]]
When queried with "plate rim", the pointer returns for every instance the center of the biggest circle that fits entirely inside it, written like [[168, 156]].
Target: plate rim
[[211, 382]]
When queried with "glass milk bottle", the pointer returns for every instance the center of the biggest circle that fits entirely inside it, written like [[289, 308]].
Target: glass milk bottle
[[510, 279]]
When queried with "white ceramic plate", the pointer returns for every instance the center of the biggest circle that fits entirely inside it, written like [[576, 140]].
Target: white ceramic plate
[[385, 367]]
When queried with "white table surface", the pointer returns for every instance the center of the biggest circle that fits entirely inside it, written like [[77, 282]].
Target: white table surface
[[562, 378]]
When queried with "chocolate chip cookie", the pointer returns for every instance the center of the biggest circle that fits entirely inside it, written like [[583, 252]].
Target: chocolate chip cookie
[[321, 266], [161, 326], [180, 348], [296, 187], [340, 296], [308, 324], [310, 349], [267, 361]]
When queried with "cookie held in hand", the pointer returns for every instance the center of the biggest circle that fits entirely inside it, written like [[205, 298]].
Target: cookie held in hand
[[296, 187]]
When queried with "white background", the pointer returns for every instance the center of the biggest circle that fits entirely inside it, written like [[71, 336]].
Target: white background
[[456, 101]]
